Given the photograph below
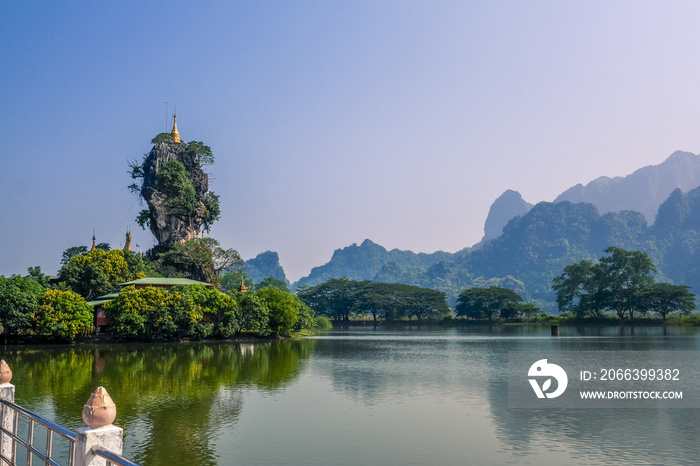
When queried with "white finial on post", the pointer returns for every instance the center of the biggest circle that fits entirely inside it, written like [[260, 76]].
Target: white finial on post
[[98, 413], [5, 373], [100, 410]]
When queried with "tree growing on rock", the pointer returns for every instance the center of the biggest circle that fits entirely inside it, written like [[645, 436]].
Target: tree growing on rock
[[172, 182]]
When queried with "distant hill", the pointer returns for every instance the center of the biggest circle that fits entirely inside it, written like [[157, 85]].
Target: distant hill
[[265, 264], [365, 261], [642, 191], [677, 231], [535, 247], [510, 204]]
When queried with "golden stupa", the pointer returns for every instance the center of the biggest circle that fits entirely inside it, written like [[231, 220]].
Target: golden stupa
[[174, 133]]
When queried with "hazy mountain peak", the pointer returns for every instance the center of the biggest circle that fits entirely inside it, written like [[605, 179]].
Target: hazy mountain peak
[[266, 264], [643, 190], [508, 205]]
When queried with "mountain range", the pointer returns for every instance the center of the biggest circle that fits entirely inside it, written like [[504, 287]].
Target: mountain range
[[537, 242], [642, 191]]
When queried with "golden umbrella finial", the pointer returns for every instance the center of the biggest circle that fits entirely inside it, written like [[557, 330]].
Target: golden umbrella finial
[[174, 133]]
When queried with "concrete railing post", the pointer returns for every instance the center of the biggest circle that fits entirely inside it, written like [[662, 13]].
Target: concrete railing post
[[7, 393], [98, 413]]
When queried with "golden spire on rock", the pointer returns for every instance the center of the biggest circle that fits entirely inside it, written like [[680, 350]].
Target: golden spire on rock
[[174, 133], [127, 244]]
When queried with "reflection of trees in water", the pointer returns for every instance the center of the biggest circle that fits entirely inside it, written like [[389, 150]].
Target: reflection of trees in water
[[592, 436], [377, 369], [176, 396]]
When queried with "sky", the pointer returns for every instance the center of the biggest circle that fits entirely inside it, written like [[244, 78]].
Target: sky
[[332, 121]]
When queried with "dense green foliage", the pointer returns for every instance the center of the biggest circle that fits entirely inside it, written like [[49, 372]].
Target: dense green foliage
[[212, 211], [19, 299], [63, 315], [174, 182], [665, 298], [231, 281], [28, 308], [489, 303], [196, 312], [191, 259], [250, 314], [342, 298], [620, 282], [171, 180], [204, 155], [156, 314], [98, 272], [162, 137], [71, 252], [322, 323], [272, 281], [334, 298], [283, 309]]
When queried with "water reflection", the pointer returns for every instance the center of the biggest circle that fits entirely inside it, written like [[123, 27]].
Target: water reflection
[[355, 396], [172, 399], [469, 367]]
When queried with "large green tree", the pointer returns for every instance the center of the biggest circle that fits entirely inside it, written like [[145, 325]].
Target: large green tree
[[72, 252], [100, 272], [249, 314], [375, 299], [19, 299], [614, 283], [627, 273], [421, 303], [665, 298], [276, 282], [63, 315], [191, 259], [334, 298], [283, 309], [487, 303], [581, 289], [231, 281]]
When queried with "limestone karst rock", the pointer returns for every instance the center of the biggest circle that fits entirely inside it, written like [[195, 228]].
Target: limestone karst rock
[[177, 208], [510, 204]]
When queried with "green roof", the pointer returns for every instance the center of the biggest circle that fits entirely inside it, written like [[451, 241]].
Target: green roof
[[97, 302], [153, 281]]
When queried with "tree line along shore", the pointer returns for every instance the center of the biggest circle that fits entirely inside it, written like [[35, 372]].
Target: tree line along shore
[[620, 287]]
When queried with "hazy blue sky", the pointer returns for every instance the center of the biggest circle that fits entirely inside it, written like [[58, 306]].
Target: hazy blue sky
[[332, 121]]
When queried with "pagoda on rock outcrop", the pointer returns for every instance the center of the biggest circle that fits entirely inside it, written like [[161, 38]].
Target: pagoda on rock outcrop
[[175, 188]]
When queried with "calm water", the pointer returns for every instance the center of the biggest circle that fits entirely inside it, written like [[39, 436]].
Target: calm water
[[356, 396]]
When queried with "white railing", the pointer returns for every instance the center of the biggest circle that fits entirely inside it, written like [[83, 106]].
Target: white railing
[[12, 413], [28, 438]]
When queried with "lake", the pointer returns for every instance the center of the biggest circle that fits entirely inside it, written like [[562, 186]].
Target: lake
[[416, 396]]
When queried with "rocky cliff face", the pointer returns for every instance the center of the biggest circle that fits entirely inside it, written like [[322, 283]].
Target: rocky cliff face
[[168, 218], [510, 204], [266, 264]]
